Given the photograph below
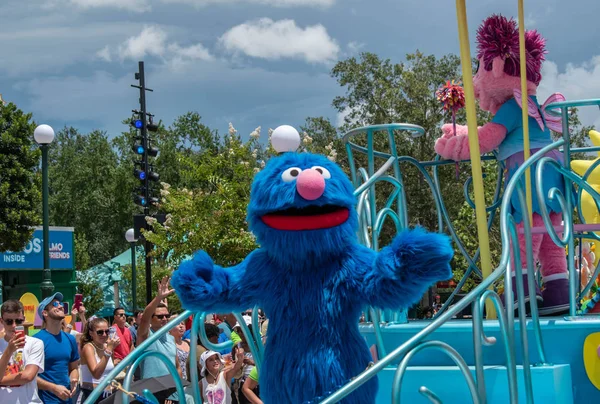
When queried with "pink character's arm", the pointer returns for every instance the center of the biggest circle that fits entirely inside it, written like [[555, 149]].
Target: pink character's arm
[[457, 147]]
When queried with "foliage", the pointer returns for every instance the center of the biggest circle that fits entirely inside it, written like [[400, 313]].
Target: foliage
[[20, 199], [211, 216], [85, 193]]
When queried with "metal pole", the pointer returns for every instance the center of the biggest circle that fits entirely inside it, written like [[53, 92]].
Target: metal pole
[[147, 244], [133, 279], [46, 286]]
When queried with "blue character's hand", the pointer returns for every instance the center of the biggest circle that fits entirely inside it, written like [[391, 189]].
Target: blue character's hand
[[199, 282], [404, 270], [202, 285]]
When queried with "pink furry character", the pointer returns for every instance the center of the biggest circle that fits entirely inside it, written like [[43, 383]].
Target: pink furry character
[[497, 87]]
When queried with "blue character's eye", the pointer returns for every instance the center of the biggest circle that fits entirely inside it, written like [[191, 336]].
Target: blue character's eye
[[291, 174], [323, 171]]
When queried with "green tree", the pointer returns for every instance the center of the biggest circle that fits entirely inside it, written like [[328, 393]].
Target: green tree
[[86, 193], [19, 186], [211, 214]]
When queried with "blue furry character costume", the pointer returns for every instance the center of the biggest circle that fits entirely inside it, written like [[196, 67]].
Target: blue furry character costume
[[312, 277]]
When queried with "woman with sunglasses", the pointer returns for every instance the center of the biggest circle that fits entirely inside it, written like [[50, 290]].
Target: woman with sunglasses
[[96, 356]]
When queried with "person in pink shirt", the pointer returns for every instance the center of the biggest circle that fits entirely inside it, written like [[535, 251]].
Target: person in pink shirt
[[126, 345]]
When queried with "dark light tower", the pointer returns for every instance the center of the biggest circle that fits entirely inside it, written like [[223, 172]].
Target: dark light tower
[[44, 135]]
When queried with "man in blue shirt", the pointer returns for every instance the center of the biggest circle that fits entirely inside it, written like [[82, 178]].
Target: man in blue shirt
[[58, 383]]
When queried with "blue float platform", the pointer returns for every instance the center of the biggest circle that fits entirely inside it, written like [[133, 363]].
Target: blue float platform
[[563, 376]]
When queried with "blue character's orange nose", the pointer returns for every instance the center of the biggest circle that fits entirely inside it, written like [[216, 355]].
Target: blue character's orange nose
[[310, 184]]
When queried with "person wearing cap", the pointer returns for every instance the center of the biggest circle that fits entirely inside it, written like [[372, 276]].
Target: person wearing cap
[[24, 357], [215, 382], [59, 382]]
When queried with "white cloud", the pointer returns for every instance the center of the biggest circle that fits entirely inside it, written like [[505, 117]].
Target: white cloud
[[576, 82], [151, 41], [104, 54], [139, 6], [194, 52], [274, 3], [274, 40]]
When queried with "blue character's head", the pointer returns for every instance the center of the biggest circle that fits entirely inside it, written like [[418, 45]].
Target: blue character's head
[[302, 207]]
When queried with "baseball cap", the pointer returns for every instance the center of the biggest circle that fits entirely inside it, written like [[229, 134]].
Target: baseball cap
[[204, 357], [58, 296]]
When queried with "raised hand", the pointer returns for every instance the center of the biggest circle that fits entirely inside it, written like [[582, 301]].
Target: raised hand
[[164, 289], [113, 343], [239, 355]]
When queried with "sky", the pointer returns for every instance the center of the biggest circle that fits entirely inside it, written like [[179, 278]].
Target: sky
[[249, 62]]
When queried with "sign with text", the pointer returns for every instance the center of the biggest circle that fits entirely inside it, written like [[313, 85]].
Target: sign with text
[[32, 257], [30, 305]]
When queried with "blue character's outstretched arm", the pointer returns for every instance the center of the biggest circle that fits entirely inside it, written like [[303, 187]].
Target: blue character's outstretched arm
[[203, 286], [402, 271]]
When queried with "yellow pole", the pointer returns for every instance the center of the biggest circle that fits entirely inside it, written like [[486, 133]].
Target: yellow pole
[[525, 105], [480, 213]]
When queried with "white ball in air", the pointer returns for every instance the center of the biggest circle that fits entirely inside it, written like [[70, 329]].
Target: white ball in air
[[285, 138]]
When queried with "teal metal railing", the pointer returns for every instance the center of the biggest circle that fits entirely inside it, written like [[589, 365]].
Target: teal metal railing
[[372, 219]]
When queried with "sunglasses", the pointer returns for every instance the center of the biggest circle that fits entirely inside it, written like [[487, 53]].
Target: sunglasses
[[10, 321], [161, 316], [55, 304], [102, 332], [120, 314]]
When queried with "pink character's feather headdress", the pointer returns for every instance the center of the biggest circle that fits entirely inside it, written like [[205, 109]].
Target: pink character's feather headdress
[[498, 36]]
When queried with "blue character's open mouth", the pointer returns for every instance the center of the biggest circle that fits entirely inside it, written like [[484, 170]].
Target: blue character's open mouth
[[308, 218]]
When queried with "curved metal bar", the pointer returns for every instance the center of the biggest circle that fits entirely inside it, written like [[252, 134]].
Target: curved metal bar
[[376, 317], [163, 358], [573, 103], [131, 358], [382, 215], [198, 320], [430, 395], [561, 241], [480, 340], [508, 343], [537, 331], [445, 348], [204, 338], [380, 128], [252, 343], [453, 235], [521, 307], [402, 206], [468, 199], [370, 181], [256, 332]]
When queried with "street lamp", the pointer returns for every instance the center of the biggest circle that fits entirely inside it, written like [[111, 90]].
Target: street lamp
[[130, 237], [44, 135]]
